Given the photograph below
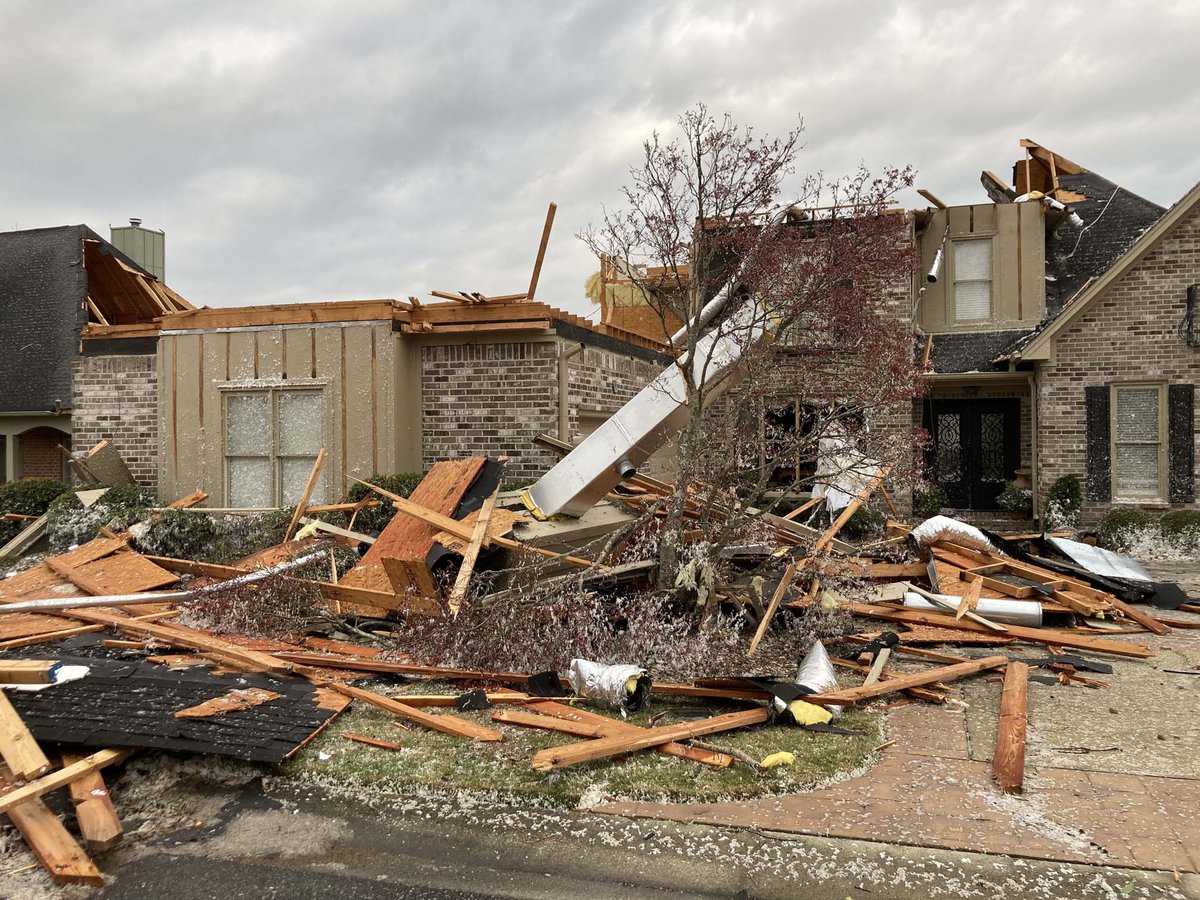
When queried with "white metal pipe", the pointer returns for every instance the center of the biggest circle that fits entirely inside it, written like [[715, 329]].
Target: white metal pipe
[[132, 599], [1008, 612]]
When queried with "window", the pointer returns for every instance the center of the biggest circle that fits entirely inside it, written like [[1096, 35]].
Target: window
[[1139, 449], [272, 437], [973, 280]]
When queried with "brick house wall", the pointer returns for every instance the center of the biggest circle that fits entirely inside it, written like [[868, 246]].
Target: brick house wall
[[39, 453], [116, 397], [1129, 334], [492, 398]]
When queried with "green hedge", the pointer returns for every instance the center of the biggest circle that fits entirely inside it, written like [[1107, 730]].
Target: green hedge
[[30, 497]]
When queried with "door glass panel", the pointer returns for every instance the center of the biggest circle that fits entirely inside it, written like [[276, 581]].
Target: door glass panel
[[991, 447], [949, 447]]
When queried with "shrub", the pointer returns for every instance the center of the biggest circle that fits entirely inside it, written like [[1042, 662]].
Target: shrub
[[373, 521], [1181, 524], [1014, 499], [30, 497], [929, 501], [69, 523], [1123, 525], [214, 539], [864, 523], [1064, 502]]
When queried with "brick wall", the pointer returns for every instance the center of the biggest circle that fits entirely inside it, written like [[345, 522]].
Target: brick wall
[[489, 399], [116, 397], [40, 456], [492, 398], [1129, 334]]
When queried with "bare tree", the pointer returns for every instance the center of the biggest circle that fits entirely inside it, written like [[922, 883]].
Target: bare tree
[[817, 316]]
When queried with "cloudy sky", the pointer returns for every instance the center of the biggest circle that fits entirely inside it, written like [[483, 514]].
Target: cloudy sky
[[302, 150]]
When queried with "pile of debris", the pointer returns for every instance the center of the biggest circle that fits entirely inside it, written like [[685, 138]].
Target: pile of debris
[[98, 665]]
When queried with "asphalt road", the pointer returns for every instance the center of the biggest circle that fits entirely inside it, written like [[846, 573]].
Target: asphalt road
[[287, 842]]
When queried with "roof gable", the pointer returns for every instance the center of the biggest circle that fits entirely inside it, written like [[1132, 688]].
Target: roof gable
[[1041, 346]]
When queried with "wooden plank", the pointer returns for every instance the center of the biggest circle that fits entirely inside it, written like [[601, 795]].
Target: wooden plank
[[64, 776], [59, 853], [819, 547], [406, 537], [95, 815], [541, 254], [462, 581], [73, 575], [59, 634], [27, 671], [558, 757], [340, 532], [444, 724], [1008, 763], [306, 494], [1146, 621], [401, 668], [25, 538], [604, 726], [371, 742], [1033, 635], [238, 698], [18, 747], [900, 682]]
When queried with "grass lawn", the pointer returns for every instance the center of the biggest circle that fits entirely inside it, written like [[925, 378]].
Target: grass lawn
[[437, 762]]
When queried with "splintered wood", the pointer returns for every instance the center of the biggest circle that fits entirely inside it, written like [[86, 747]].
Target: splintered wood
[[1008, 763]]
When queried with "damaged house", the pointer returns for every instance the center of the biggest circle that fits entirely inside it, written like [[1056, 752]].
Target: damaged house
[[1059, 340], [54, 284], [244, 398]]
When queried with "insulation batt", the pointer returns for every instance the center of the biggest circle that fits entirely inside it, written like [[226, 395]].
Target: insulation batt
[[611, 686], [944, 528]]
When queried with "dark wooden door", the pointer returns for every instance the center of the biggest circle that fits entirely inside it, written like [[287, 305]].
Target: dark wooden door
[[974, 448]]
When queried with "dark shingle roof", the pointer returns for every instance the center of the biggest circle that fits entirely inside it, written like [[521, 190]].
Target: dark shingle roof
[[42, 288], [1113, 219], [973, 351]]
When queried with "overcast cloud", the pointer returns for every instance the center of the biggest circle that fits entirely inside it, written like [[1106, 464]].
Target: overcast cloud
[[302, 150]]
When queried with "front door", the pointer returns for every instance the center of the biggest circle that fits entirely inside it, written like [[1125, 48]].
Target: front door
[[974, 448]]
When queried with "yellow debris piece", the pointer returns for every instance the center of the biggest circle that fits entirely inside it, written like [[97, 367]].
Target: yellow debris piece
[[782, 758], [806, 713]]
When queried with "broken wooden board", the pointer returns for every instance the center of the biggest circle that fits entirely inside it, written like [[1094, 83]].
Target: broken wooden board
[[1008, 763], [98, 822], [407, 538], [59, 853], [25, 538], [587, 751], [443, 723], [18, 748], [61, 778], [1019, 632], [101, 566], [238, 698], [942, 674], [602, 726]]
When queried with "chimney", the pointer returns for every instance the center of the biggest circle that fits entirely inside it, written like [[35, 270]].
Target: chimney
[[144, 246]]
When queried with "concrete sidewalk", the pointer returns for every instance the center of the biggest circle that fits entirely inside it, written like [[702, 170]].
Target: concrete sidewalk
[[926, 791]]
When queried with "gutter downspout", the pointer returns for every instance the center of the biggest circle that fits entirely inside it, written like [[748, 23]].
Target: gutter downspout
[[564, 390], [1033, 441]]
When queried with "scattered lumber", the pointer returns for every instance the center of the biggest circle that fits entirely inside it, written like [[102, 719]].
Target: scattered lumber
[[941, 675], [558, 757], [15, 796], [445, 724], [58, 852], [1008, 763], [27, 671]]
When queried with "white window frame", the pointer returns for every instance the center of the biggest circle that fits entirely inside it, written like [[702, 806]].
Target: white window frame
[[273, 392], [955, 243], [1115, 440]]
